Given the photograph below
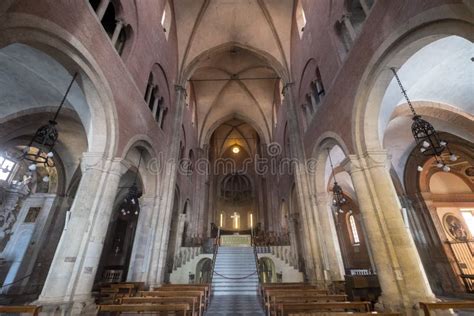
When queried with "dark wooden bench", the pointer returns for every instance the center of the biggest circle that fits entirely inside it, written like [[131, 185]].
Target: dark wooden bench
[[177, 293], [191, 301], [176, 309], [298, 298], [286, 309], [189, 287], [345, 314], [427, 306], [301, 291], [25, 309]]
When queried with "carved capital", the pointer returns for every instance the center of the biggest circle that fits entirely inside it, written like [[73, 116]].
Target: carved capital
[[119, 166], [180, 89], [92, 160], [379, 158], [322, 198]]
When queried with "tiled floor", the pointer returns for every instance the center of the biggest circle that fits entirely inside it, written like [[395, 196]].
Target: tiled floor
[[235, 305]]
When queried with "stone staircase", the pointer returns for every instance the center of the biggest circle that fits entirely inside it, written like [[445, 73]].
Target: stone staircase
[[234, 263], [232, 294]]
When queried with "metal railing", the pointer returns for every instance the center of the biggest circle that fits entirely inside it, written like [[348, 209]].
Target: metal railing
[[214, 254], [254, 247]]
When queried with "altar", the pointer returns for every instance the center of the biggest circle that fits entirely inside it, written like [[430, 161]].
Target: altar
[[235, 240]]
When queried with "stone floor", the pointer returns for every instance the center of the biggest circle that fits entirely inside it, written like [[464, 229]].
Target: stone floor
[[235, 305]]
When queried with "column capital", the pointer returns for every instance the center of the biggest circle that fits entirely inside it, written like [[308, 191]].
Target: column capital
[[287, 86], [322, 197], [119, 166], [368, 160], [91, 160], [180, 88]]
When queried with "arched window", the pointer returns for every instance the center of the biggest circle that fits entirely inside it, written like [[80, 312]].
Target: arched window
[[94, 4], [116, 30], [166, 19], [6, 168], [353, 229], [121, 39], [108, 21], [300, 18], [236, 187]]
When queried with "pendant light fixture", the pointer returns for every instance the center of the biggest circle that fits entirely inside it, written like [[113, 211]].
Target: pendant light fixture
[[130, 203], [425, 135], [338, 199], [44, 141]]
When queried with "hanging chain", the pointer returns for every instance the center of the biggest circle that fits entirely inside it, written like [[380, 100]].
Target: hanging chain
[[239, 278], [404, 92]]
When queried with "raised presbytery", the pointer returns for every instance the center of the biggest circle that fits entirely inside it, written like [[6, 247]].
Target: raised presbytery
[[237, 157]]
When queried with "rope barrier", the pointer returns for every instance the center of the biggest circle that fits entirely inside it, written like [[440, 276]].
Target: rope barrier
[[239, 278]]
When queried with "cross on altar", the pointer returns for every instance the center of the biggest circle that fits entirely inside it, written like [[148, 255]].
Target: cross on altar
[[236, 220]]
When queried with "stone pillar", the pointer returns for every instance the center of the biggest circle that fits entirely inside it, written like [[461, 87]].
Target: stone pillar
[[399, 268], [365, 7], [142, 241], [314, 102], [303, 191], [102, 8], [77, 256], [350, 28], [335, 265], [162, 227], [118, 29]]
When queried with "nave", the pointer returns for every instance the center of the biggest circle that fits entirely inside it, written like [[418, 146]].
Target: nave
[[210, 150]]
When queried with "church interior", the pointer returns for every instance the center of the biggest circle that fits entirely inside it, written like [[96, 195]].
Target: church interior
[[237, 157]]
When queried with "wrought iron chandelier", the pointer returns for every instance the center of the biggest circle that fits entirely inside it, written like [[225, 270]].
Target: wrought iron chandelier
[[44, 140], [426, 137], [130, 203], [338, 199]]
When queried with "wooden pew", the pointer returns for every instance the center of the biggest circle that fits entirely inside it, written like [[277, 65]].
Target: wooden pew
[[285, 309], [345, 314], [300, 291], [192, 287], [191, 301], [107, 295], [428, 307], [177, 309], [298, 298], [265, 286], [130, 288], [24, 309], [181, 293]]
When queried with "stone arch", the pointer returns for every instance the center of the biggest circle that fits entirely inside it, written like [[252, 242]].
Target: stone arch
[[206, 139], [328, 140], [69, 52], [149, 172], [395, 51]]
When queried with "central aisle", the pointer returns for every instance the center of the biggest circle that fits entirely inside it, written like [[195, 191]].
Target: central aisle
[[235, 283]]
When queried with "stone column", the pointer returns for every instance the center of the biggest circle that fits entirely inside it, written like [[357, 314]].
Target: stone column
[[350, 28], [335, 265], [162, 227], [303, 189], [118, 29], [75, 262], [399, 268], [142, 240], [102, 8], [365, 7], [99, 223]]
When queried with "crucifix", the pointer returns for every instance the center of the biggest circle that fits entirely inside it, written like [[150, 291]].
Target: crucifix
[[236, 220]]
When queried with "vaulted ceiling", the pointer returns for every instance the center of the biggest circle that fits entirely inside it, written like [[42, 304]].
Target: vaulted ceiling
[[222, 45]]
